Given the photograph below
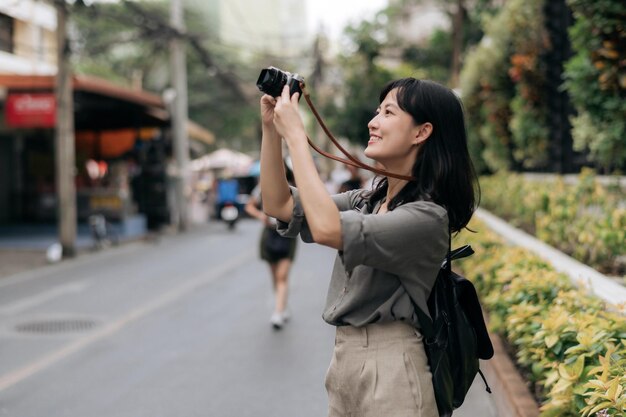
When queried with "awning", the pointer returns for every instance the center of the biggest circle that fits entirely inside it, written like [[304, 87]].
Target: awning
[[102, 105], [99, 104], [107, 144]]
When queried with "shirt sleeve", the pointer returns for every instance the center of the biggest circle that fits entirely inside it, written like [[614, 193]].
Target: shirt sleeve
[[413, 235], [298, 225]]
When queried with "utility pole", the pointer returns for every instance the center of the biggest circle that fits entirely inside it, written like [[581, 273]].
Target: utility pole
[[458, 25], [65, 159], [179, 115]]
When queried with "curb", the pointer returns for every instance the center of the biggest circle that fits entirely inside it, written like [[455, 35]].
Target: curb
[[511, 395]]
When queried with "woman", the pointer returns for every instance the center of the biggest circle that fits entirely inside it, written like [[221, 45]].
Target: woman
[[278, 252], [391, 241]]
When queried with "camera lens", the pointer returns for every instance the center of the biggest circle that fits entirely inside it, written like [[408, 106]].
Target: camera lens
[[271, 81]]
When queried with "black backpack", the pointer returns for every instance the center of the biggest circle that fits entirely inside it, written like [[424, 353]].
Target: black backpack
[[456, 337]]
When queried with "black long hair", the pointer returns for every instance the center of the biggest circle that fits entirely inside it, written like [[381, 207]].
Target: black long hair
[[443, 168]]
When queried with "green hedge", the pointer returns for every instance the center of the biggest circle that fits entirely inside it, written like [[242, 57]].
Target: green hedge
[[571, 349], [595, 78], [587, 220], [487, 91], [503, 84]]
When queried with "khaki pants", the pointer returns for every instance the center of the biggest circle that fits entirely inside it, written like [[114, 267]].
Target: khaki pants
[[380, 370]]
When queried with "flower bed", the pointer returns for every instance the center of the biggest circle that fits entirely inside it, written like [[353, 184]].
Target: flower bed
[[570, 348]]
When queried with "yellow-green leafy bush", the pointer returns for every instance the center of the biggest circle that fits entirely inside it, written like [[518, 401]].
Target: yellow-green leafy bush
[[586, 220], [573, 349]]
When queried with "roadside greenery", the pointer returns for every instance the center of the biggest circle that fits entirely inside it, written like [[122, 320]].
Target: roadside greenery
[[375, 51], [568, 345], [586, 220], [503, 89], [595, 78], [503, 82]]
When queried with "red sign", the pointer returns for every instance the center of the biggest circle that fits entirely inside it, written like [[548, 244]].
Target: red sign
[[30, 110]]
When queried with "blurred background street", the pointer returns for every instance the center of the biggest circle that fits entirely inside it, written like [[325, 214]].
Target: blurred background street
[[130, 281]]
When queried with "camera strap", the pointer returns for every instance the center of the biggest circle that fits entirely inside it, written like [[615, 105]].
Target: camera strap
[[353, 161]]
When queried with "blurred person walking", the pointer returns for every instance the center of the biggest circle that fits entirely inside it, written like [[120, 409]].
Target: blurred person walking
[[277, 251]]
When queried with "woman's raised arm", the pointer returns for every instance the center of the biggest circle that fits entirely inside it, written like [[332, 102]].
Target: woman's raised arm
[[277, 200], [320, 210]]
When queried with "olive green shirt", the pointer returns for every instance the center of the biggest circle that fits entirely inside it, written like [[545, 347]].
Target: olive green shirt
[[387, 259]]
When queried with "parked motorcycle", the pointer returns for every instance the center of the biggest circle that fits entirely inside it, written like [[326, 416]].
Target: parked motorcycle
[[229, 214], [227, 192]]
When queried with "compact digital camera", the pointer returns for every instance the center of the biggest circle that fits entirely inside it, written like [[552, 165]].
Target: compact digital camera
[[272, 80]]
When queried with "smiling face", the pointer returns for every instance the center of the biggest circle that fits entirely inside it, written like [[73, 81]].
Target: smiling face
[[394, 136]]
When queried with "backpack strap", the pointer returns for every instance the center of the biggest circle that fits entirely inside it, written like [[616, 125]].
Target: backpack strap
[[426, 325], [426, 322], [459, 253], [360, 203]]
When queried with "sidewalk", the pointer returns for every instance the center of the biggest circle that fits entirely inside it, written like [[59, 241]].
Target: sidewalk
[[23, 247], [13, 261]]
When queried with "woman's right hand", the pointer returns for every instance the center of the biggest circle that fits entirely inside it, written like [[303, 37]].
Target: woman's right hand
[[267, 110]]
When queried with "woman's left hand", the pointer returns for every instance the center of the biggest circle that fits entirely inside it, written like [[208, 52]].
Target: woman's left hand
[[287, 118]]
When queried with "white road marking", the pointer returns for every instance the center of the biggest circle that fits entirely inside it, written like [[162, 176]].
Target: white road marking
[[32, 301]]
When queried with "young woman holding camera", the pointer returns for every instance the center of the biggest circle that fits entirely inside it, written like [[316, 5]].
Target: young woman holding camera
[[390, 241]]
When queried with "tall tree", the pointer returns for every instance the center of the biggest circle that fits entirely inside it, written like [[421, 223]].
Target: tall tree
[[465, 17], [363, 79], [458, 43]]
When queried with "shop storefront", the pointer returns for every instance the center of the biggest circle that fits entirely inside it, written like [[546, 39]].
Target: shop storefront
[[122, 150]]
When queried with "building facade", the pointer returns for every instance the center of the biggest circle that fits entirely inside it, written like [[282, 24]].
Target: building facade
[[122, 134], [27, 37]]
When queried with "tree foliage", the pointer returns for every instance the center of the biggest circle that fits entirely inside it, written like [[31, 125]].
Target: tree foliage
[[363, 80], [596, 80], [504, 80], [503, 88], [370, 44], [528, 124], [487, 91]]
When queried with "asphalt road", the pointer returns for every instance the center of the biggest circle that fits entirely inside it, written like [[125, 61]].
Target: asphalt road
[[174, 328]]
